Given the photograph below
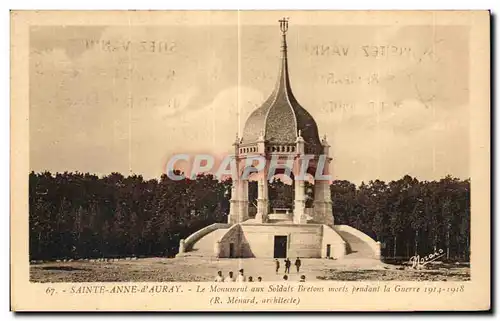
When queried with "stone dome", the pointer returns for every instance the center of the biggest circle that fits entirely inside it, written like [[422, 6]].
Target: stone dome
[[281, 117]]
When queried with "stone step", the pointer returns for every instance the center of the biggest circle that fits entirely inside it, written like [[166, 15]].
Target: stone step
[[355, 246], [280, 221], [284, 217], [207, 242]]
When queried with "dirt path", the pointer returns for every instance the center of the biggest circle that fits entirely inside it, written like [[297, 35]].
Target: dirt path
[[197, 269]]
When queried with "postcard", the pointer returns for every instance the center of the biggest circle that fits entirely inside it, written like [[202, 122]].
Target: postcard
[[250, 161]]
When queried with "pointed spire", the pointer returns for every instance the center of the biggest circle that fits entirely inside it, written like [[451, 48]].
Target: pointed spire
[[279, 103], [284, 25], [324, 141], [283, 78], [284, 28], [299, 137], [236, 140], [261, 135]]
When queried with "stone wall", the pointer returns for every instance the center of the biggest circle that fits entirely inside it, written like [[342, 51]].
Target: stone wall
[[374, 246], [193, 238], [233, 235], [303, 240], [337, 244]]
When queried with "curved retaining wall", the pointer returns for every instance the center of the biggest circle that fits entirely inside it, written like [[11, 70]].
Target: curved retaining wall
[[196, 236], [232, 235], [375, 246], [337, 244], [303, 240]]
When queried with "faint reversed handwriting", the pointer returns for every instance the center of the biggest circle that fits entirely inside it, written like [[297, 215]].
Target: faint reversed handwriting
[[384, 104], [262, 76], [333, 78], [173, 104], [150, 46], [384, 51], [372, 51], [336, 105], [418, 262], [136, 74], [328, 50], [330, 106]]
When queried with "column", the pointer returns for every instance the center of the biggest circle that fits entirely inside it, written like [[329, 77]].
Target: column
[[262, 199], [238, 211], [182, 246], [244, 201], [299, 204], [299, 216], [217, 249], [323, 212], [234, 203], [378, 250]]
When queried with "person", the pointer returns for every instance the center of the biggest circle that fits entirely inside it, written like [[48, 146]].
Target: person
[[298, 264], [285, 277], [219, 277], [230, 277], [241, 277], [259, 279], [302, 278], [288, 263], [250, 279], [277, 265]]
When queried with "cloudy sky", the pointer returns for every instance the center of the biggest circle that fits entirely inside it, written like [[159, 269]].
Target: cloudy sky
[[391, 100]]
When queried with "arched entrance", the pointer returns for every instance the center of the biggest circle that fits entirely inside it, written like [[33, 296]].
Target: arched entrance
[[280, 181], [281, 191]]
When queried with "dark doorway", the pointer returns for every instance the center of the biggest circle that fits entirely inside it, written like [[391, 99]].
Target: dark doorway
[[328, 249], [280, 246], [231, 249]]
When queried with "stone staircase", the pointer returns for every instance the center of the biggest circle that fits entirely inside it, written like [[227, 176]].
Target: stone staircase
[[204, 247], [280, 218], [356, 248]]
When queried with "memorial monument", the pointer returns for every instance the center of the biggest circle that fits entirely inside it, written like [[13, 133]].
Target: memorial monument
[[285, 135]]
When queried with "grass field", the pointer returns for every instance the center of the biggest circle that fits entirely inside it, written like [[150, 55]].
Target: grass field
[[200, 269]]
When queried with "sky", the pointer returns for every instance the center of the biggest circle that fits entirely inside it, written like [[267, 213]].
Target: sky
[[392, 100]]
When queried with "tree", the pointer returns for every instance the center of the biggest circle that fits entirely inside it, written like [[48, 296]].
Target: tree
[[83, 215]]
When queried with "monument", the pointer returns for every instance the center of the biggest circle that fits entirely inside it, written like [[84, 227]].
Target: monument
[[285, 134]]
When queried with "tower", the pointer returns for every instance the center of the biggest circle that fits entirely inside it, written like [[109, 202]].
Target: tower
[[281, 137], [285, 135]]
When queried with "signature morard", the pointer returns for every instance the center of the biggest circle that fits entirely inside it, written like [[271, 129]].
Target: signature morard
[[418, 262]]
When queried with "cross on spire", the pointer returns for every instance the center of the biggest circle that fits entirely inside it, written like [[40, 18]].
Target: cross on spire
[[284, 25]]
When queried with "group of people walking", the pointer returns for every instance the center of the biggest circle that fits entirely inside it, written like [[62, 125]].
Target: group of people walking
[[288, 264], [241, 277]]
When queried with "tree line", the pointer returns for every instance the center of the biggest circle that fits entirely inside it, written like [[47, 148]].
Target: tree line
[[81, 215]]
